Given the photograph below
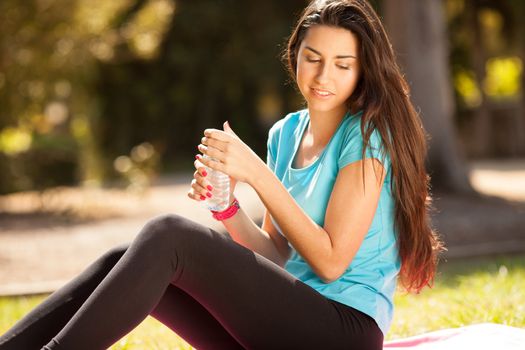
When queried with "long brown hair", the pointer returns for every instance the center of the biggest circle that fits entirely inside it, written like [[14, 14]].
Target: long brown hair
[[383, 95]]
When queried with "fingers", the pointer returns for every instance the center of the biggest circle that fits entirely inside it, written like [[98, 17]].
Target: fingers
[[214, 143], [198, 192], [200, 187], [199, 166], [217, 135], [212, 152]]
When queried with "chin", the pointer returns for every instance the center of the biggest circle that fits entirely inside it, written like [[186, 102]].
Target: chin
[[322, 107]]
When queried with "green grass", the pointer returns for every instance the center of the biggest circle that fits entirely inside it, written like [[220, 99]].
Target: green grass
[[466, 292], [150, 334]]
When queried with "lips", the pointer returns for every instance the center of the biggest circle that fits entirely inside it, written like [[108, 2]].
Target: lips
[[322, 93]]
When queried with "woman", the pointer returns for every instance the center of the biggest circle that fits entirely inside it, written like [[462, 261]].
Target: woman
[[346, 196]]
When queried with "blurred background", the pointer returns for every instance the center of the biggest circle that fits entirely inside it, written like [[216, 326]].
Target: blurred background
[[102, 104], [92, 91]]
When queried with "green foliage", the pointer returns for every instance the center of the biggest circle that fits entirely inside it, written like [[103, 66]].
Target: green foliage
[[139, 168], [502, 81], [503, 77], [41, 66], [108, 76], [225, 68], [499, 36], [82, 82]]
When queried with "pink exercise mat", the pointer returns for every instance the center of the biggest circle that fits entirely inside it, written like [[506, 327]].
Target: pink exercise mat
[[482, 336]]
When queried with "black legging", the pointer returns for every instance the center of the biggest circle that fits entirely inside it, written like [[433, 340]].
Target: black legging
[[211, 291]]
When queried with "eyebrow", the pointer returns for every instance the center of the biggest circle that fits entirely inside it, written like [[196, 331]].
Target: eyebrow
[[338, 56]]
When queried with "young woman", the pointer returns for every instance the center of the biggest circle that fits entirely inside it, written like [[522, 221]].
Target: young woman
[[346, 198]]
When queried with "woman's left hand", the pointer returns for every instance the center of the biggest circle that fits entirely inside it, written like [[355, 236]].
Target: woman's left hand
[[234, 157]]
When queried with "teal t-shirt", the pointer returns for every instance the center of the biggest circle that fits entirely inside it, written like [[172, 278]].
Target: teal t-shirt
[[369, 282]]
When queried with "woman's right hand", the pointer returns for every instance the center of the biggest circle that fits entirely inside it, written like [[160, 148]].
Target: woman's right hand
[[200, 187]]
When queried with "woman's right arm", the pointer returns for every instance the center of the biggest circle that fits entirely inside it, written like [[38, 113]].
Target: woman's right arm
[[264, 240]]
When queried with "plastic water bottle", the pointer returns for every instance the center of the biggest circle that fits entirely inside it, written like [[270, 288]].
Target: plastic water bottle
[[220, 199]]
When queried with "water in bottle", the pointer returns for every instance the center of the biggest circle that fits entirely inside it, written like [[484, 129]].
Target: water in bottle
[[220, 182]]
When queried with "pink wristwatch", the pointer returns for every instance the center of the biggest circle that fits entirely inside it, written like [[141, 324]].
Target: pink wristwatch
[[227, 213]]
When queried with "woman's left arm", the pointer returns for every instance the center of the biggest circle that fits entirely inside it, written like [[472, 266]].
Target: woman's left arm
[[329, 249]]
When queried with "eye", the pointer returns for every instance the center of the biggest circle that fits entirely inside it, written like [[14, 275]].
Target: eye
[[309, 59], [342, 66]]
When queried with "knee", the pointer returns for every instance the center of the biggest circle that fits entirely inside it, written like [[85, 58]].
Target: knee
[[105, 262], [162, 230], [113, 255]]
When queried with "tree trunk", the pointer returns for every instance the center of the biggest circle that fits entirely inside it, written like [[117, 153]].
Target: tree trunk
[[418, 33]]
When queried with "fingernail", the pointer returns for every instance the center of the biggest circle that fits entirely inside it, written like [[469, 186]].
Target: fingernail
[[204, 173], [197, 156], [202, 197], [208, 194], [209, 187]]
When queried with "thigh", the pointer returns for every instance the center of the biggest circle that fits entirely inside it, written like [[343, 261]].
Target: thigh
[[190, 320], [257, 301]]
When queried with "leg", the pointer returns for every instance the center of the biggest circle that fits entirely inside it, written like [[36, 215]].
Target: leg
[[47, 319], [191, 321], [257, 302], [176, 309]]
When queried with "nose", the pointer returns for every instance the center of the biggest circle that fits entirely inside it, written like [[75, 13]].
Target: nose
[[323, 73]]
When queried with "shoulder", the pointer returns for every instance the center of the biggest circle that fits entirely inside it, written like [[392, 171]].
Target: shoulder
[[286, 124], [353, 132], [352, 142]]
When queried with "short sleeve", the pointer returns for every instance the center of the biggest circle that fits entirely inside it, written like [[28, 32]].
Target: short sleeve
[[271, 146], [352, 147]]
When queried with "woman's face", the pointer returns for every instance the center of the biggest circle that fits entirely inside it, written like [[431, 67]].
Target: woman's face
[[328, 68]]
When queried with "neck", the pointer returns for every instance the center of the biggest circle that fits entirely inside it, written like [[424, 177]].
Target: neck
[[323, 125]]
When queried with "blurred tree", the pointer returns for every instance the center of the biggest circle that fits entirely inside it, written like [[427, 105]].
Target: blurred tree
[[225, 68], [518, 10], [418, 32], [493, 29], [83, 82], [520, 38], [481, 133], [484, 36], [37, 149]]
